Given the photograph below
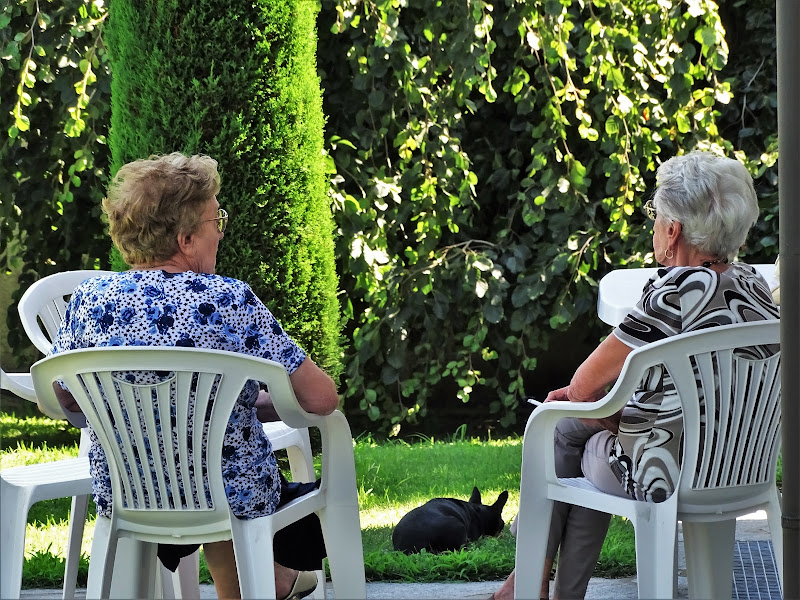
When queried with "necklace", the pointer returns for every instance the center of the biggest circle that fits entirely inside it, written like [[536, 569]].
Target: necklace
[[716, 261]]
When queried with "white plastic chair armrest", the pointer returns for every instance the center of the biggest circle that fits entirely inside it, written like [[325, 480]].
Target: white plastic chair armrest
[[19, 384], [539, 431]]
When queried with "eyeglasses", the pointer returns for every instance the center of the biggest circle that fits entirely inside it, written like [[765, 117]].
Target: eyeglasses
[[650, 210], [221, 219]]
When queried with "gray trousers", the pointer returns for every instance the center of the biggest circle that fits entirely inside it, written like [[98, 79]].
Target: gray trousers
[[577, 533]]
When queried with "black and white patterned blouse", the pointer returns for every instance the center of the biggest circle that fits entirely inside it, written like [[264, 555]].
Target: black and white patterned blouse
[[647, 452], [156, 308]]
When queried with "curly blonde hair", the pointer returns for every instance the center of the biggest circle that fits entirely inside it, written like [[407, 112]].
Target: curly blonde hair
[[153, 200]]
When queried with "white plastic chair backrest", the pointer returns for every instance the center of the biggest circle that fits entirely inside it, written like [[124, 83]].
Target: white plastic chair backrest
[[190, 399], [731, 405], [44, 303]]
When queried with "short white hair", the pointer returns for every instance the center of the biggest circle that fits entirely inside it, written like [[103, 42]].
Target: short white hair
[[713, 199]]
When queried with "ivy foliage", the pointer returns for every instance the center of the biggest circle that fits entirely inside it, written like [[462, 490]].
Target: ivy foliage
[[489, 162], [750, 122], [237, 80], [54, 95]]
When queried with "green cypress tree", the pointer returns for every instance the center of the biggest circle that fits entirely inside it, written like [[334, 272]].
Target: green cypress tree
[[237, 80]]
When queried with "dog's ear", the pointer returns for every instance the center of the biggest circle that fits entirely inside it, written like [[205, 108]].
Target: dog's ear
[[501, 501], [476, 496]]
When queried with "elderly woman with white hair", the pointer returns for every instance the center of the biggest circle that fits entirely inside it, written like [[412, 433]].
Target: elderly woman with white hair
[[703, 207]]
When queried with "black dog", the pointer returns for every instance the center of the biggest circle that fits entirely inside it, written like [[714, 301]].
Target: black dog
[[448, 524]]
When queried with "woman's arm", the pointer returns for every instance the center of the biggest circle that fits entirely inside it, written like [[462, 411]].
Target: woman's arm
[[265, 410], [314, 389], [72, 412], [593, 376], [597, 372]]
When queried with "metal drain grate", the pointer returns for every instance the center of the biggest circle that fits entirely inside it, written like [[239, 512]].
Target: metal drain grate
[[755, 574]]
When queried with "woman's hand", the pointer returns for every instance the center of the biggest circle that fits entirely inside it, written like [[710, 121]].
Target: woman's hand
[[568, 394], [559, 395], [66, 399], [265, 411]]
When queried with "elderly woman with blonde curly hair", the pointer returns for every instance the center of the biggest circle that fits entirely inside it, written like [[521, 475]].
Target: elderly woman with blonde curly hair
[[166, 221], [703, 207]]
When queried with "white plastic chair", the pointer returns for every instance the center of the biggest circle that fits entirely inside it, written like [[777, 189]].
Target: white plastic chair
[[21, 487], [44, 303], [726, 473], [200, 382], [42, 309]]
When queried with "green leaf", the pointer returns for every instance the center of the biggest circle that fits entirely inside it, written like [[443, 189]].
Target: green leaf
[[493, 312], [22, 122], [706, 36]]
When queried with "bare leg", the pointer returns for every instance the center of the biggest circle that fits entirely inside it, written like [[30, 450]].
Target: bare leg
[[222, 565], [284, 580], [506, 591]]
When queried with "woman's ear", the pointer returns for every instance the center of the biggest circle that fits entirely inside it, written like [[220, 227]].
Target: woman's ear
[[674, 232], [186, 244]]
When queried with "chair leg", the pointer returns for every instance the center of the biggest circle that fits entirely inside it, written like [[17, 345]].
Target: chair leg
[[255, 563], [77, 520], [301, 463], [101, 565], [709, 557], [14, 505], [341, 529], [185, 580], [136, 572], [169, 583], [776, 531], [656, 540], [533, 529]]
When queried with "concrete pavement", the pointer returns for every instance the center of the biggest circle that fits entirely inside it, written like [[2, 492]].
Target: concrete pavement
[[749, 528]]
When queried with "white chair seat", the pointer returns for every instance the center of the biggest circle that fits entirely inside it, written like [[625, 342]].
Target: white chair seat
[[71, 474], [578, 482], [21, 487]]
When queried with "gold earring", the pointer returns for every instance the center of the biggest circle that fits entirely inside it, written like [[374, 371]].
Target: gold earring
[[669, 256]]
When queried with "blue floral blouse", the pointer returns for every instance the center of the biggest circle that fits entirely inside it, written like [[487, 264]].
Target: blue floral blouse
[[156, 308]]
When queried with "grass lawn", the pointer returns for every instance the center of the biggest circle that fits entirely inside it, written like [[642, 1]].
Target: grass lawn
[[393, 477]]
